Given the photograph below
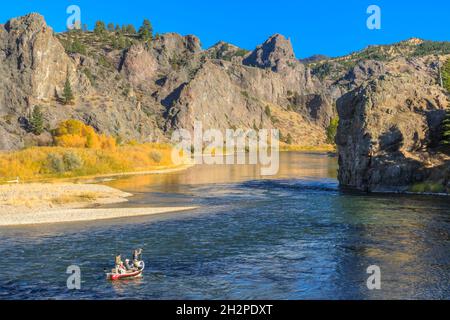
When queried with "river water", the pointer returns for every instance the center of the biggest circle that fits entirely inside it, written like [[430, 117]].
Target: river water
[[290, 236]]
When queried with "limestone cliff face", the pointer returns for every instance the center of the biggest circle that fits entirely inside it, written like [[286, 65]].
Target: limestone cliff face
[[389, 127]]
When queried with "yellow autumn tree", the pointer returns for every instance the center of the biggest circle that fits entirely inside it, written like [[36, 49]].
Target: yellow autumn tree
[[76, 134]]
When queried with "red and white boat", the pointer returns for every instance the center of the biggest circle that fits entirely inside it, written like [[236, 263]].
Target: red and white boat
[[113, 276]]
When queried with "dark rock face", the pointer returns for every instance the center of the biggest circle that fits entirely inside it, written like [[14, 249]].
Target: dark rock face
[[387, 129]]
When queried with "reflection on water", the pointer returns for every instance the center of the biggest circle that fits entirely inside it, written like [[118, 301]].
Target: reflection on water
[[291, 165], [291, 236]]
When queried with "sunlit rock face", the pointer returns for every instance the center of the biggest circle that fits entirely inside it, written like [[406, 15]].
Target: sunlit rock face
[[390, 128]]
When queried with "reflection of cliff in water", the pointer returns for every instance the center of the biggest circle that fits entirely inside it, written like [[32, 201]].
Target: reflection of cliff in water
[[292, 165]]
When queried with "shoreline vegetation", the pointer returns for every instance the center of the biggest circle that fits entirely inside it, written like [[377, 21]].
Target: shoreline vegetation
[[327, 148], [39, 164], [77, 150]]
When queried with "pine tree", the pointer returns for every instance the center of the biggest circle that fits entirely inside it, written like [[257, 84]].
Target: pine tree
[[146, 31], [111, 27], [99, 28], [67, 93], [128, 29], [131, 29], [446, 75], [289, 139], [37, 121], [446, 129]]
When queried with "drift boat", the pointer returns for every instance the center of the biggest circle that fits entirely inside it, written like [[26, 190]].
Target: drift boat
[[114, 276]]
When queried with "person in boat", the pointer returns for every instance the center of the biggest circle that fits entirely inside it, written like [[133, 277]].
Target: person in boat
[[137, 257], [120, 268], [129, 267]]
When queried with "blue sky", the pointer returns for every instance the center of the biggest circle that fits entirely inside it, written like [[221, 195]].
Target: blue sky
[[315, 27]]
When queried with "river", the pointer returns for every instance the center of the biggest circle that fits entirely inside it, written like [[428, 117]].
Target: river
[[291, 236]]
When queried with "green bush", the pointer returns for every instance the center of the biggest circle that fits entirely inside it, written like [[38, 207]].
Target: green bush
[[156, 156], [55, 163], [89, 75], [289, 139], [427, 187], [332, 130], [72, 161], [76, 47]]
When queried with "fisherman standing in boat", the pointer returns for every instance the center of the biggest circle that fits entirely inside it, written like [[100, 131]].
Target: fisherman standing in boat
[[137, 257]]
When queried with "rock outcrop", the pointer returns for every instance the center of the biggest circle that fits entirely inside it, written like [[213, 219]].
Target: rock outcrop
[[389, 129], [33, 67], [275, 54]]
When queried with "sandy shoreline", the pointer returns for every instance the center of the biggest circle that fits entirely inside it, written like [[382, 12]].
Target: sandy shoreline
[[82, 215], [45, 203]]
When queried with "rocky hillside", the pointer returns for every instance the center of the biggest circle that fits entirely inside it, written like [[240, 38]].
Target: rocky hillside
[[143, 91]]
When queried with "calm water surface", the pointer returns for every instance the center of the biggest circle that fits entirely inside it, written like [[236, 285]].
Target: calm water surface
[[292, 236]]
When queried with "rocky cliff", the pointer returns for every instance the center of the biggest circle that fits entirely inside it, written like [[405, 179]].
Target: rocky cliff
[[390, 127], [144, 91]]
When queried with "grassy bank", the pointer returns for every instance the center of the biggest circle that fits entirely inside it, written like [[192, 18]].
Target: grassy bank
[[39, 163], [428, 187], [321, 148]]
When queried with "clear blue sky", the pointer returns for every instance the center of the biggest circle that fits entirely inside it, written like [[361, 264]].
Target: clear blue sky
[[315, 27]]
